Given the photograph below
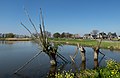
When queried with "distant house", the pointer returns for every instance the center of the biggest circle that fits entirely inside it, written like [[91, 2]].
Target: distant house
[[93, 36], [119, 37], [0, 35], [4, 35], [76, 36], [112, 35], [102, 35], [87, 36]]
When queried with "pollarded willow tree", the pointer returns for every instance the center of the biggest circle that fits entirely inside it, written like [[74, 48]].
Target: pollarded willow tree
[[41, 38]]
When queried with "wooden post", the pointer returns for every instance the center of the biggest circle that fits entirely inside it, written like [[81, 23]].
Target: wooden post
[[27, 63], [96, 64], [82, 51], [83, 65], [52, 55], [96, 53], [53, 61], [96, 50], [52, 72], [73, 57]]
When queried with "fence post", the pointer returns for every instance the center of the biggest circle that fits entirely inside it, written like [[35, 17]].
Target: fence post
[[82, 51], [96, 64], [96, 53], [83, 65]]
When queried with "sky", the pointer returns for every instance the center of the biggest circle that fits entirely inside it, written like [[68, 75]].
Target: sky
[[73, 16]]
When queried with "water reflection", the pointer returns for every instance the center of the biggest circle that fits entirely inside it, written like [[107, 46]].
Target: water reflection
[[18, 75], [96, 64], [52, 71], [16, 55], [83, 65], [75, 67], [7, 42]]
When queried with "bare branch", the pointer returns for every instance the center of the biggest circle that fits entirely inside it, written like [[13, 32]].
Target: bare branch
[[99, 43], [27, 29], [42, 23], [31, 21]]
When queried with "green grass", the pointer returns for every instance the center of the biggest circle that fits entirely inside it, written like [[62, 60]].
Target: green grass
[[89, 43], [111, 45]]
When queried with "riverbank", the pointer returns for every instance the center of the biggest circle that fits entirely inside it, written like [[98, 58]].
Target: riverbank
[[15, 39], [112, 70], [113, 45]]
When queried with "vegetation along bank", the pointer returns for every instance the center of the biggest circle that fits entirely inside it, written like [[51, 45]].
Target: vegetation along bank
[[113, 45]]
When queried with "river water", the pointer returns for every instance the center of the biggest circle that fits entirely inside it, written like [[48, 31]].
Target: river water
[[14, 54]]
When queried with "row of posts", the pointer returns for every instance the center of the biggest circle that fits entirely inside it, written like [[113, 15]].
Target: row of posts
[[83, 64], [82, 50], [83, 56]]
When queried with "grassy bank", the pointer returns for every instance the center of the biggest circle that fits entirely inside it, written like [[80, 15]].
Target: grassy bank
[[90, 43], [15, 39], [84, 42]]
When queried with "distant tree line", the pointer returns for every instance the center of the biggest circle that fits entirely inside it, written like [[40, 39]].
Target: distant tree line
[[92, 35], [65, 35], [48, 34], [12, 35]]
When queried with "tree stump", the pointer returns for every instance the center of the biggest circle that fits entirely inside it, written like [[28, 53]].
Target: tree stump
[[83, 65], [96, 64], [52, 55], [52, 72], [53, 59], [96, 53], [82, 51]]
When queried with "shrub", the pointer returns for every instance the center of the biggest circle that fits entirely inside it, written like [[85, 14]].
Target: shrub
[[112, 70]]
